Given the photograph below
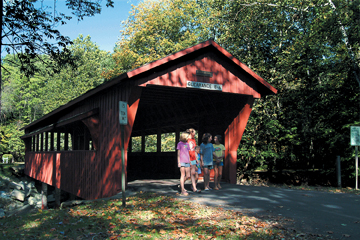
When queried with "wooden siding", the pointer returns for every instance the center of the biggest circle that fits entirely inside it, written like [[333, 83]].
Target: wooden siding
[[96, 174], [186, 71], [63, 169], [233, 135]]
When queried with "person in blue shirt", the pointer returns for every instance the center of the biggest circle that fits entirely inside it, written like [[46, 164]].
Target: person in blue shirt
[[207, 153]]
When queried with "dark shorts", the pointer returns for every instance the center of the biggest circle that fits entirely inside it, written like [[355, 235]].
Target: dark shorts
[[208, 166], [219, 164], [185, 164]]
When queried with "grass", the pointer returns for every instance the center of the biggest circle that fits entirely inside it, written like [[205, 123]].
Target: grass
[[146, 216], [149, 216]]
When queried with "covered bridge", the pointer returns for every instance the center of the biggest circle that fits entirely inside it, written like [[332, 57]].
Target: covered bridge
[[77, 149]]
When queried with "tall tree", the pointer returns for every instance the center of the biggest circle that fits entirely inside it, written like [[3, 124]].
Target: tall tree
[[156, 29], [25, 99], [28, 29], [301, 48], [69, 84]]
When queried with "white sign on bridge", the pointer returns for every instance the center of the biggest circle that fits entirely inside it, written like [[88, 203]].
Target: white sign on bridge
[[202, 85]]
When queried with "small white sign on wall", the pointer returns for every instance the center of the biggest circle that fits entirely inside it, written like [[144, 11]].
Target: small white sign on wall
[[123, 113]]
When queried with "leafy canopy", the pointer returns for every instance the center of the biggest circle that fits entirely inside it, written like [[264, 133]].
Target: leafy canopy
[[156, 29]]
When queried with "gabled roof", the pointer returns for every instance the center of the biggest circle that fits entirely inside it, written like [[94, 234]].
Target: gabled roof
[[209, 45]]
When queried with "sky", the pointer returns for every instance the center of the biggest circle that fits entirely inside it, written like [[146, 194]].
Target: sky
[[104, 29]]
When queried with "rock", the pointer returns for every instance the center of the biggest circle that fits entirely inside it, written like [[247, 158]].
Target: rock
[[27, 192], [32, 201], [2, 213], [34, 192], [22, 185], [30, 185], [18, 195], [4, 195], [22, 210], [72, 203], [18, 170], [15, 205], [14, 185]]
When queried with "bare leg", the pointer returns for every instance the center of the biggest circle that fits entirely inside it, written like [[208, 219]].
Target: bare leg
[[216, 174], [182, 179], [220, 176], [193, 178], [206, 178], [187, 174]]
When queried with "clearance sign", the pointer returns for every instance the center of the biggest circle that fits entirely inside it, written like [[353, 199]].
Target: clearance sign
[[205, 86]]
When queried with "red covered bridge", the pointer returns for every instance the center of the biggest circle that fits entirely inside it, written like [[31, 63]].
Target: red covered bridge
[[76, 148]]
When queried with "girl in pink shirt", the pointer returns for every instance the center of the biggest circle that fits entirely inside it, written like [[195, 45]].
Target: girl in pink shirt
[[183, 159]]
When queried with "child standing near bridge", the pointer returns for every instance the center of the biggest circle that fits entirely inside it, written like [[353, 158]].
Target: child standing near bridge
[[218, 161], [183, 159]]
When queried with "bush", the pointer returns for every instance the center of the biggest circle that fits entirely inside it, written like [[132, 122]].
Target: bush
[[9, 157]]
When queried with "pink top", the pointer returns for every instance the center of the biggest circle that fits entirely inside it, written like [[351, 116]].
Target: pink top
[[184, 152]]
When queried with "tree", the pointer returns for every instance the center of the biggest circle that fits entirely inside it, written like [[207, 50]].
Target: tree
[[28, 29], [300, 47], [156, 29], [25, 99], [70, 83]]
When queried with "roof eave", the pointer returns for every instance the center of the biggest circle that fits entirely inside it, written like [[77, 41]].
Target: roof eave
[[86, 95]]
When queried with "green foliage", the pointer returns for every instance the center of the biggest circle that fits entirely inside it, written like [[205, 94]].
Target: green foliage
[[156, 29], [70, 83], [136, 144], [29, 31], [299, 48], [10, 142], [9, 158], [151, 143], [308, 50], [167, 143], [26, 99]]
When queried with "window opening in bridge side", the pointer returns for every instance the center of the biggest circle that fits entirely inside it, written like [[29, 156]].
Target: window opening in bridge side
[[71, 137], [168, 143]]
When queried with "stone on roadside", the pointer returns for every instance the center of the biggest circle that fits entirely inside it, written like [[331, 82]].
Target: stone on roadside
[[30, 185], [22, 210], [2, 213], [14, 185], [18, 195]]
